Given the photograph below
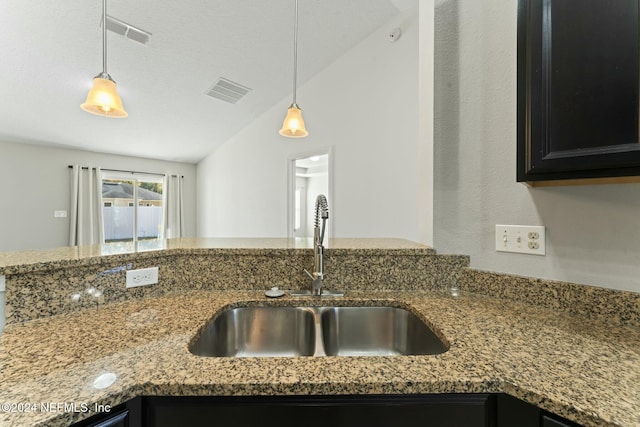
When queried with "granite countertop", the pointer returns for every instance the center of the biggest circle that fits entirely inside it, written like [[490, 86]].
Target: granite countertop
[[42, 260], [585, 370]]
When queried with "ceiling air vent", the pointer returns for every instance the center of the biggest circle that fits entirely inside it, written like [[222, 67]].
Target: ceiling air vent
[[228, 91], [127, 30]]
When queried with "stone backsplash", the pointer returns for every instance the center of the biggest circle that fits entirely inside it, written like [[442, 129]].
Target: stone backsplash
[[621, 307], [70, 279], [57, 288]]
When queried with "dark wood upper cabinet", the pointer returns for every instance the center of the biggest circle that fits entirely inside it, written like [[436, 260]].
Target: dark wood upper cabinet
[[578, 89]]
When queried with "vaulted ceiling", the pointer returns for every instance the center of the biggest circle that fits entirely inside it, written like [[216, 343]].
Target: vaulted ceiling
[[51, 51]]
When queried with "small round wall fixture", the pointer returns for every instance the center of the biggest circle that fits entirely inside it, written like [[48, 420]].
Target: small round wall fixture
[[395, 34]]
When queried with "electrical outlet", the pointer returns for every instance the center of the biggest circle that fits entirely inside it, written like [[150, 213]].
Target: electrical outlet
[[524, 239], [142, 277]]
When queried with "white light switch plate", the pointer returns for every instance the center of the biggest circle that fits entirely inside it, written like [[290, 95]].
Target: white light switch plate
[[523, 239], [142, 277]]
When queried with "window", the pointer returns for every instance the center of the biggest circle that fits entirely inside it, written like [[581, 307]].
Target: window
[[133, 207]]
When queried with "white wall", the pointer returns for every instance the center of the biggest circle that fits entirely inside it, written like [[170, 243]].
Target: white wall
[[36, 181], [365, 106], [593, 232]]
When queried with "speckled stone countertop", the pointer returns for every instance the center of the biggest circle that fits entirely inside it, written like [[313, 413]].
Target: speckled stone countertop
[[585, 370], [45, 283], [39, 260]]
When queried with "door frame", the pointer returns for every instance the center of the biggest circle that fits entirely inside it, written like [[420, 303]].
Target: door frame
[[291, 186]]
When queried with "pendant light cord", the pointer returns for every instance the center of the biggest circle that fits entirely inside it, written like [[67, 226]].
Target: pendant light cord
[[104, 36], [295, 55]]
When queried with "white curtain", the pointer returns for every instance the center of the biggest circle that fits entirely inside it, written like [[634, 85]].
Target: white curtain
[[174, 215], [85, 225]]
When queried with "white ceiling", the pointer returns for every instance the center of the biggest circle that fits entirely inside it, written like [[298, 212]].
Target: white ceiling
[[51, 51]]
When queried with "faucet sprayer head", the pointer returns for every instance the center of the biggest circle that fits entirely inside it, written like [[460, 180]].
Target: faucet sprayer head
[[322, 210]]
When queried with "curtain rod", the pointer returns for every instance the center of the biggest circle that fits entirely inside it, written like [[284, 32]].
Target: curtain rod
[[120, 170]]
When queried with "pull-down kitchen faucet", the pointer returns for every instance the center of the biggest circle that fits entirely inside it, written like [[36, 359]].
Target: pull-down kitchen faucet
[[322, 213], [317, 276]]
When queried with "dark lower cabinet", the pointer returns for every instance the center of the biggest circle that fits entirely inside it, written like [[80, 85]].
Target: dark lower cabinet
[[128, 414], [549, 420], [431, 410], [512, 412], [120, 419], [474, 410]]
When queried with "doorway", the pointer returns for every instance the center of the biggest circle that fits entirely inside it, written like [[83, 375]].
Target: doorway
[[309, 176]]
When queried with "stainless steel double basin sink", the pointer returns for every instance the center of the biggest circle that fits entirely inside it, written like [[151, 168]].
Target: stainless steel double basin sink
[[316, 331]]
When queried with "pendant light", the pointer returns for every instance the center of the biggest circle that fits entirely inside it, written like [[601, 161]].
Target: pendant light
[[293, 126], [103, 98]]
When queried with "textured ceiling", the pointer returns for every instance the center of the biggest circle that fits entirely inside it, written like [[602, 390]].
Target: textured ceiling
[[52, 50]]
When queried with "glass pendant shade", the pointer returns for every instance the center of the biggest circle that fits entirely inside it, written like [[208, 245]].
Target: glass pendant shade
[[293, 126], [103, 99]]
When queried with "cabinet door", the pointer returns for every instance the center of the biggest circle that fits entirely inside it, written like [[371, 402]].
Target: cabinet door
[[120, 419], [124, 415], [578, 88], [512, 412]]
